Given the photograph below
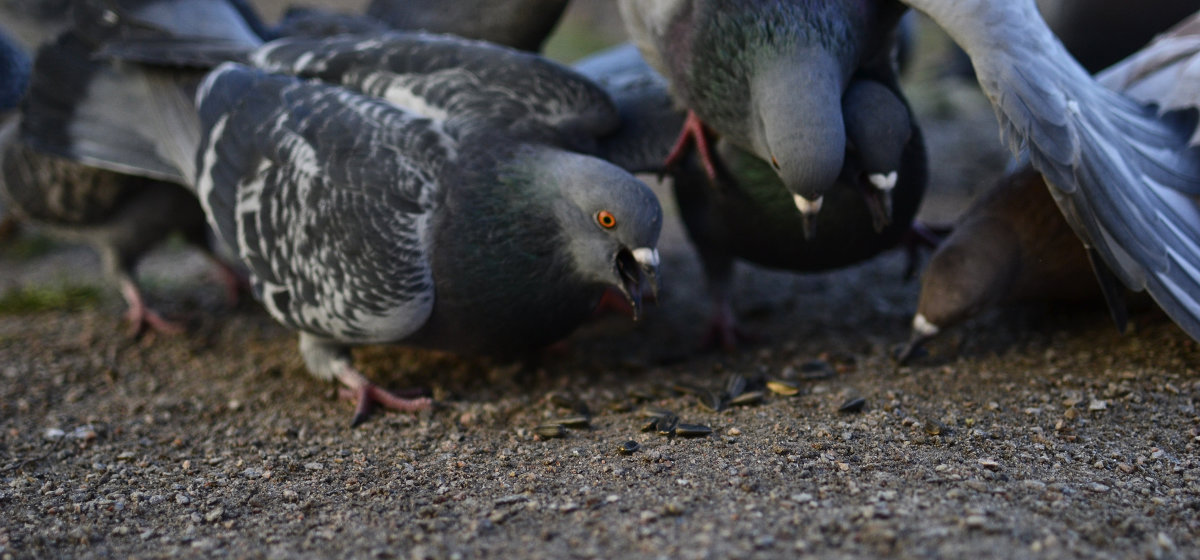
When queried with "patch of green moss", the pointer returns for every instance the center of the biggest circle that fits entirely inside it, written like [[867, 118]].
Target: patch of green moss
[[32, 299]]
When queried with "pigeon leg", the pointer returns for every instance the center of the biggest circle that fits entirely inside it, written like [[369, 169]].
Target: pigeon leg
[[364, 393], [140, 316], [328, 359], [723, 330], [693, 131]]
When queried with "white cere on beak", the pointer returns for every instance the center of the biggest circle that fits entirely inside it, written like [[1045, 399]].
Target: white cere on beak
[[923, 327], [883, 181], [646, 256], [806, 206]]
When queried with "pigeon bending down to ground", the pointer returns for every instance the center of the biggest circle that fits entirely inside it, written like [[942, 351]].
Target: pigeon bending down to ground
[[521, 24], [879, 126], [122, 216], [407, 188], [767, 76], [1120, 153], [1011, 245], [745, 213]]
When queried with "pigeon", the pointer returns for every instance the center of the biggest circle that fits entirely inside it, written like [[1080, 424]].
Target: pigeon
[[769, 77], [121, 216], [1124, 168], [879, 125], [405, 188], [1012, 245], [521, 24], [748, 209]]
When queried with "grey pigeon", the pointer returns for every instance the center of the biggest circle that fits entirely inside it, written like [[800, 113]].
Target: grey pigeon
[[121, 216], [1123, 168], [1012, 245], [879, 126], [409, 188], [521, 24], [747, 211], [767, 76]]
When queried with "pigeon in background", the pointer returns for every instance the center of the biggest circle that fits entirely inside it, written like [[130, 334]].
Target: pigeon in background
[[399, 188], [1012, 245], [121, 216], [745, 213], [768, 77], [521, 24], [879, 125], [1123, 168]]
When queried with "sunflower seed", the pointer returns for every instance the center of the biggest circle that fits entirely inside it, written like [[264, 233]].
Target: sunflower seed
[[550, 431], [580, 421], [692, 430], [651, 425], [628, 447], [785, 388], [652, 412], [745, 399], [854, 404], [735, 385], [815, 370], [712, 400], [666, 425]]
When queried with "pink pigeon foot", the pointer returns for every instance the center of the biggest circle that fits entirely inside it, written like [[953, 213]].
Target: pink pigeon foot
[[365, 394]]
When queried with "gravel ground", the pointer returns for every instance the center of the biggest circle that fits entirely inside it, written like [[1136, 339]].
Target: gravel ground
[[1034, 432]]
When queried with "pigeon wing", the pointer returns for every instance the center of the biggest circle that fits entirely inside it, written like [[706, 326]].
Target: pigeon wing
[[326, 195]]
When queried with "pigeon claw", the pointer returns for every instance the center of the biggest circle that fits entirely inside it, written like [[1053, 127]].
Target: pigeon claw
[[693, 132], [141, 318], [369, 394]]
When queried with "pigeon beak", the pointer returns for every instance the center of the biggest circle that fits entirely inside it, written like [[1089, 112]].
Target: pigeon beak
[[629, 273], [808, 212], [922, 331], [879, 198], [647, 259]]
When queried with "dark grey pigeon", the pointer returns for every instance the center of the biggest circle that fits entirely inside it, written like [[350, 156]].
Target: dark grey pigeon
[[410, 188], [747, 211], [767, 76], [521, 24], [879, 126], [1123, 168]]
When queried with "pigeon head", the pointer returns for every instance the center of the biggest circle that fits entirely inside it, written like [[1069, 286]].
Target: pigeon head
[[799, 128], [878, 127], [609, 219]]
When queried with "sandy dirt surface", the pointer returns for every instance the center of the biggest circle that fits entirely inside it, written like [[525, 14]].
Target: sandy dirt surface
[[1028, 433]]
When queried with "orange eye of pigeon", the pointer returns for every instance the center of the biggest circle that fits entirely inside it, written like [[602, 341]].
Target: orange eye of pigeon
[[606, 219]]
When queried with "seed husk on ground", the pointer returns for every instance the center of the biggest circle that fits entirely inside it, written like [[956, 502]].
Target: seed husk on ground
[[852, 405], [628, 447], [747, 398], [785, 388], [814, 370], [692, 430], [550, 431], [579, 421]]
